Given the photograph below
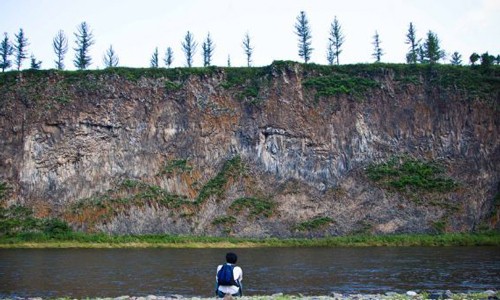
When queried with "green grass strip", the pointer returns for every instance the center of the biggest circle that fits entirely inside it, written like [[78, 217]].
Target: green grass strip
[[82, 240]]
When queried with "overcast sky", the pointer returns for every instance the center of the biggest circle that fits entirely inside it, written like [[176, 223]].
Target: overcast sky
[[135, 28]]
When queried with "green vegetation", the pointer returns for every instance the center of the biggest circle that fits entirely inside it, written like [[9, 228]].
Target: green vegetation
[[255, 206], [131, 193], [410, 174], [494, 216], [216, 186], [363, 227], [177, 165], [3, 190], [328, 81], [338, 84], [171, 86], [440, 226], [247, 81], [134, 193], [225, 220], [16, 220], [476, 82], [81, 240], [314, 224]]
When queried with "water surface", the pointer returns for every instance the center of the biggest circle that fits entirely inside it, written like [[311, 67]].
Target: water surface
[[191, 272]]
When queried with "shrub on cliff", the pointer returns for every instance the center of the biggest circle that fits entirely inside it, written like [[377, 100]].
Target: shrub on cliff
[[407, 173], [18, 219]]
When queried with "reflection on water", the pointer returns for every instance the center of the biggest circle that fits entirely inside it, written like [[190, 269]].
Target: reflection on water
[[191, 272]]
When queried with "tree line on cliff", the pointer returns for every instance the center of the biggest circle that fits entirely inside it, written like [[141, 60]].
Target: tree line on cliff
[[13, 53]]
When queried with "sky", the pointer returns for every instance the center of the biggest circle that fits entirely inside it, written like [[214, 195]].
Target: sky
[[135, 28]]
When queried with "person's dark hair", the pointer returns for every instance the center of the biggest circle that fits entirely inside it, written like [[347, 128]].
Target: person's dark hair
[[231, 258]]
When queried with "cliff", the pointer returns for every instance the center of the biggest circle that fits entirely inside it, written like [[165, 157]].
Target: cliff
[[284, 150]]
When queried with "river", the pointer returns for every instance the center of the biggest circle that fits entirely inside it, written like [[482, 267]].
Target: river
[[83, 273]]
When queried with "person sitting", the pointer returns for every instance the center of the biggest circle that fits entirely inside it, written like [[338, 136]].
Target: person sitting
[[229, 277]]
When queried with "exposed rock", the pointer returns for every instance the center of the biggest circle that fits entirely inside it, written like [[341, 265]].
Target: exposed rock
[[128, 153]]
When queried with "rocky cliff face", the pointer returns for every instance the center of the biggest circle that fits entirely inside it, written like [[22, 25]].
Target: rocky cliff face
[[284, 150]]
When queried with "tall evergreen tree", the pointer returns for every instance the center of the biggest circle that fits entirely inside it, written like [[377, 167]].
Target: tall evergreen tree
[[110, 59], [377, 50], [330, 54], [421, 54], [169, 57], [189, 48], [6, 51], [35, 65], [456, 59], [247, 47], [487, 60], [20, 48], [432, 51], [229, 60], [84, 39], [154, 59], [60, 45], [411, 39], [304, 34], [208, 50], [474, 57], [336, 40]]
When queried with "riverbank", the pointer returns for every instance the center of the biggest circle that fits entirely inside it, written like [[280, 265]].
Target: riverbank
[[82, 240], [409, 295]]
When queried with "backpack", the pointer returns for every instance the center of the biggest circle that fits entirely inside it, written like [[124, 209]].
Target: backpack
[[225, 276]]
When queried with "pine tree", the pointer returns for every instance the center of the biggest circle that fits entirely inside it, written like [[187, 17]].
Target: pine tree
[[411, 39], [35, 65], [189, 48], [421, 54], [377, 51], [169, 57], [304, 33], [330, 54], [432, 50], [247, 47], [6, 51], [154, 59], [208, 50], [60, 45], [20, 48], [229, 60], [456, 59], [110, 59], [487, 60], [336, 40], [84, 39], [474, 57]]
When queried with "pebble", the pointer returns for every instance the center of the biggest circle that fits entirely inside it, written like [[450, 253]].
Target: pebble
[[448, 294], [411, 293], [490, 294]]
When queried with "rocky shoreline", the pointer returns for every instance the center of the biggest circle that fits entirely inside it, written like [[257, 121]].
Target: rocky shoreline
[[409, 295]]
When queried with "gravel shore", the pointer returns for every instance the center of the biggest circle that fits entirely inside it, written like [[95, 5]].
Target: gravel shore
[[410, 295]]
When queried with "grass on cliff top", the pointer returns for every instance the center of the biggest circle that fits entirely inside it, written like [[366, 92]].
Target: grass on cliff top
[[82, 240], [325, 79]]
